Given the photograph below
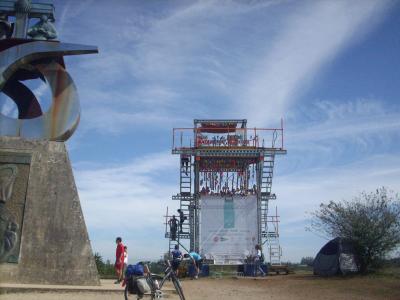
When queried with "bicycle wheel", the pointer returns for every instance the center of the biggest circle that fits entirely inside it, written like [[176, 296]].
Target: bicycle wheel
[[157, 295], [178, 287], [153, 288]]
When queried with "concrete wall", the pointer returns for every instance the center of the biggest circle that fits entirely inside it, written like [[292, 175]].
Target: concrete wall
[[54, 246]]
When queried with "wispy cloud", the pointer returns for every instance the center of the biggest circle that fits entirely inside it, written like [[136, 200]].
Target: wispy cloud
[[328, 134], [301, 192], [307, 188], [345, 121], [209, 58], [128, 200], [8, 107], [310, 39], [335, 151]]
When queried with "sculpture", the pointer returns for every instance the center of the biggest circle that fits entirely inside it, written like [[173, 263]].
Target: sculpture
[[52, 220], [5, 27], [22, 59], [43, 30], [8, 227]]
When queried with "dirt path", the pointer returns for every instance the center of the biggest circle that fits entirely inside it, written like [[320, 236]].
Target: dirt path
[[299, 287]]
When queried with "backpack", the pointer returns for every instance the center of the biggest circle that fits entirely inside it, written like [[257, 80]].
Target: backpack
[[134, 270]]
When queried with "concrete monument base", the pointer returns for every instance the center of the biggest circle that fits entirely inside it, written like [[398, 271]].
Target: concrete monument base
[[43, 232]]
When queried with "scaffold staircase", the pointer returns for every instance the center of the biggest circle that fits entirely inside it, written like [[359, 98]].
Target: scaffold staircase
[[186, 197], [269, 224], [186, 204], [185, 188], [171, 245], [171, 242], [274, 248]]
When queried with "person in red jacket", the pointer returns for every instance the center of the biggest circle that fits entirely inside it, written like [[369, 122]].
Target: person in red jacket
[[119, 260]]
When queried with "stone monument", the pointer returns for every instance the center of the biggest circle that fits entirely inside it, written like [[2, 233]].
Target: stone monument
[[43, 236]]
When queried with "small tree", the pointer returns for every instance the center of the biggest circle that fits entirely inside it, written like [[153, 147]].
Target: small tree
[[99, 262], [308, 260], [371, 221]]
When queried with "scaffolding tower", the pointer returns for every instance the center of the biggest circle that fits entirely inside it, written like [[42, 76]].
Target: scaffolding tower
[[218, 146]]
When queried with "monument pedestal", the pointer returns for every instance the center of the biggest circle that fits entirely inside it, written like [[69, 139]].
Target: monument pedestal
[[52, 244]]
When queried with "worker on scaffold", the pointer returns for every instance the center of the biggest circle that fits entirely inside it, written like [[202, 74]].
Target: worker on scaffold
[[173, 226], [182, 219]]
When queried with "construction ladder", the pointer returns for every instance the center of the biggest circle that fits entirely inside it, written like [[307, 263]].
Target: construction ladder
[[186, 205], [269, 224]]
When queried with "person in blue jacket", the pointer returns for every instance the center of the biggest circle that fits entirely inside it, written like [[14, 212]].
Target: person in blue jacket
[[196, 260], [176, 259]]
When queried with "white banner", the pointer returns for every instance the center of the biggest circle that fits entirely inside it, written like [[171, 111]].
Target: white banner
[[228, 227]]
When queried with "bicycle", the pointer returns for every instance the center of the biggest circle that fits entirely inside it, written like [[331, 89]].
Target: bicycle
[[154, 284]]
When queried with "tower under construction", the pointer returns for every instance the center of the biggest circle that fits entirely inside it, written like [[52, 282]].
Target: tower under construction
[[225, 190]]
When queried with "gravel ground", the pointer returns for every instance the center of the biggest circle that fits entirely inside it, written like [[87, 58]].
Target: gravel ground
[[299, 287]]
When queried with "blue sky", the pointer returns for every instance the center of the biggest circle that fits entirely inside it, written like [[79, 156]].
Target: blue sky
[[329, 68]]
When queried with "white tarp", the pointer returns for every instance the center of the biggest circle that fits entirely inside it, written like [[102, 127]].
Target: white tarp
[[228, 229]]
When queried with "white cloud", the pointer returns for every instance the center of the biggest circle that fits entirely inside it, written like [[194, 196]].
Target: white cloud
[[311, 37], [335, 152], [307, 188], [128, 200], [208, 58], [166, 63], [331, 133], [301, 192], [330, 121], [113, 122], [8, 106]]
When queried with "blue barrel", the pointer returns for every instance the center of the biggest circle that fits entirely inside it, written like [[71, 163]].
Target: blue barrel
[[192, 270], [249, 270], [205, 270]]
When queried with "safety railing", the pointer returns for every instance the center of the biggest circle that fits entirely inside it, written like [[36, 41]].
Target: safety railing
[[187, 138]]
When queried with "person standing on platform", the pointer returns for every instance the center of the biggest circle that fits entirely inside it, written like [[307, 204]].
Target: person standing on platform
[[182, 219], [119, 259], [173, 226], [196, 261], [259, 259]]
